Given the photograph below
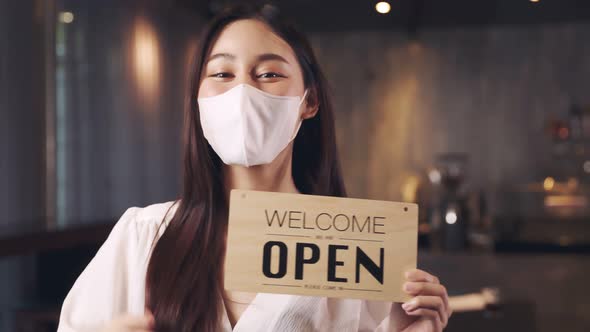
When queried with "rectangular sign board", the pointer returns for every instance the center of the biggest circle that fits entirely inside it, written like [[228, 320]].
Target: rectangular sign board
[[320, 246]]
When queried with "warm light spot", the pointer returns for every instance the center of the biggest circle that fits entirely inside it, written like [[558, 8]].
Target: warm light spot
[[563, 132], [414, 48], [146, 59], [410, 188], [383, 7], [451, 217], [548, 183], [389, 140], [534, 0], [561, 201], [66, 17]]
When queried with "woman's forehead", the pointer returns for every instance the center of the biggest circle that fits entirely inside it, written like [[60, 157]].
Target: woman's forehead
[[248, 38]]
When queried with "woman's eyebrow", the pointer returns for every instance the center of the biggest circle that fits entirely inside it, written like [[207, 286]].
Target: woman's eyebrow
[[227, 56], [271, 56], [259, 58]]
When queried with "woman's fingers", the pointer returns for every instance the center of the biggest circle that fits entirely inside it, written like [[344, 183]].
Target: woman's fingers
[[428, 288], [424, 288], [429, 295], [420, 275], [434, 303]]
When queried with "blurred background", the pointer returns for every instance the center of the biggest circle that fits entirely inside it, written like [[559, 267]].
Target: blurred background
[[479, 111]]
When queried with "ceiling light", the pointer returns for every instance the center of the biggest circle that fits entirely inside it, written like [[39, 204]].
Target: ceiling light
[[383, 7]]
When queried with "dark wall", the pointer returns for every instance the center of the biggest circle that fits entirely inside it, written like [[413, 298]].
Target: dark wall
[[117, 131], [484, 91], [121, 73], [21, 112], [21, 139]]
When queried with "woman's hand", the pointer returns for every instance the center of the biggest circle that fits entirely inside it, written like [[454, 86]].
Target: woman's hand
[[131, 323], [430, 302]]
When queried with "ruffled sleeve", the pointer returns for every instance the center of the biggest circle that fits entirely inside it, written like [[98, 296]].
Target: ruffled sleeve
[[113, 283]]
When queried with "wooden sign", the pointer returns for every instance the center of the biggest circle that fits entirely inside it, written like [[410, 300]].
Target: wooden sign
[[320, 246]]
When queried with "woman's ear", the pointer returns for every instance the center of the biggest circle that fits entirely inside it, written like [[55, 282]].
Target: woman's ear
[[312, 104]]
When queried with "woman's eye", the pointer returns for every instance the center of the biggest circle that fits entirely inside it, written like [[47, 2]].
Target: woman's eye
[[270, 75], [221, 75]]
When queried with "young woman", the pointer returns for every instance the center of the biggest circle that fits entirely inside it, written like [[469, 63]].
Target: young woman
[[259, 117]]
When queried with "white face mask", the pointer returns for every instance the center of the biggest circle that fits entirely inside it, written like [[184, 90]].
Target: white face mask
[[246, 126]]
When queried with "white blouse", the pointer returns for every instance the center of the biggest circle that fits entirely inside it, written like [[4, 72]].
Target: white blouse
[[113, 283]]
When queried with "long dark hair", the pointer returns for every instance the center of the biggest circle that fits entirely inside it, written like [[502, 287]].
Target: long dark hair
[[184, 282]]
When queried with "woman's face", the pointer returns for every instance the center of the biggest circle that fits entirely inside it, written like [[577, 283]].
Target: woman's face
[[248, 52]]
